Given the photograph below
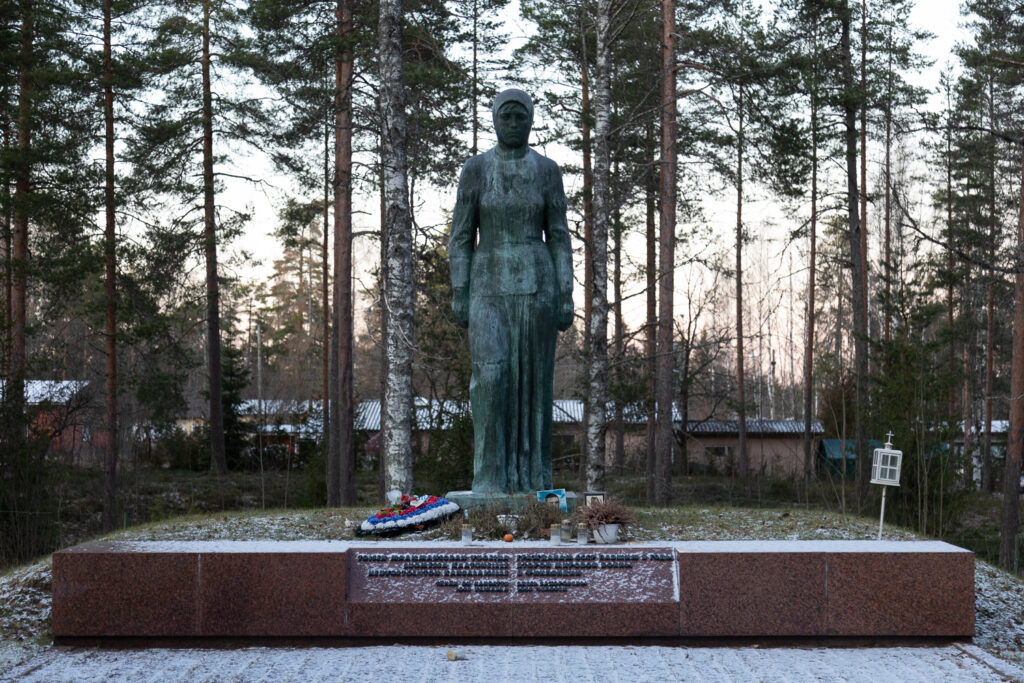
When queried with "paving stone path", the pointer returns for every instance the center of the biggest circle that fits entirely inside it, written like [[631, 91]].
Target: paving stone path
[[497, 664]]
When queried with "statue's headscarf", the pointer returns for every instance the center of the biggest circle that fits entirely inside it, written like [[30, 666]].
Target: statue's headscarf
[[513, 95]]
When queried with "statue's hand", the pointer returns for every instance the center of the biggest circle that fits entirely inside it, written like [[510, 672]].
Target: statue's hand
[[565, 313], [460, 306]]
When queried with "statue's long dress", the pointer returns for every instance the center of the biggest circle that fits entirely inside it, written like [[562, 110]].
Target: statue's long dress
[[515, 210]]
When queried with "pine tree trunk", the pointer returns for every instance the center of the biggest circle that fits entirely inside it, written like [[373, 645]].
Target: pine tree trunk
[[218, 458], [597, 322], [1010, 522], [684, 398], [664, 439], [650, 330], [15, 388], [860, 345], [6, 238], [987, 484], [742, 456], [950, 317], [397, 416], [301, 286], [811, 272], [341, 465], [966, 417], [986, 448], [110, 285], [887, 266], [475, 82], [864, 157], [327, 346]]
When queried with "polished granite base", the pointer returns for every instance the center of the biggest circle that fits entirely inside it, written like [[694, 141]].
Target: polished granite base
[[522, 590]]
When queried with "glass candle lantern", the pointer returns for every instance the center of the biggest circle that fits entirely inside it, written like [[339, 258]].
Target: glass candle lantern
[[556, 534]]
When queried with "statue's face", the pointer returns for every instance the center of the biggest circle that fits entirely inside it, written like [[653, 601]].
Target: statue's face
[[512, 124]]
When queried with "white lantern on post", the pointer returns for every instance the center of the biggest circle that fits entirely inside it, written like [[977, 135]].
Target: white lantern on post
[[885, 471]]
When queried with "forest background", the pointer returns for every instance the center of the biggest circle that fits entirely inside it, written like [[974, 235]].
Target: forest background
[[781, 209]]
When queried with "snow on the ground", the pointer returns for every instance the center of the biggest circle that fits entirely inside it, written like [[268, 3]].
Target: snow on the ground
[[334, 545], [13, 653], [704, 524], [25, 597], [999, 613], [740, 524], [291, 526], [628, 664]]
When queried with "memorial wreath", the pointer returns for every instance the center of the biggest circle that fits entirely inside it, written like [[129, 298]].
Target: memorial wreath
[[407, 513]]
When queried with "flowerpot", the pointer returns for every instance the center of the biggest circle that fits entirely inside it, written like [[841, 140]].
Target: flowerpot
[[606, 533]]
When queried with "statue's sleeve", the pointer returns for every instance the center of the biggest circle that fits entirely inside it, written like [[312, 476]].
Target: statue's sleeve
[[558, 230], [464, 226]]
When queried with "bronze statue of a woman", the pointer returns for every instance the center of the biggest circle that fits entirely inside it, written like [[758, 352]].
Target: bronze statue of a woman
[[511, 267]]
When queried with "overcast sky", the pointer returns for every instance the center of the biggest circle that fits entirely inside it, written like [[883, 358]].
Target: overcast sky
[[941, 17]]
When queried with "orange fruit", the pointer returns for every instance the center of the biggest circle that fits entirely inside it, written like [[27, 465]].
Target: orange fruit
[[508, 538]]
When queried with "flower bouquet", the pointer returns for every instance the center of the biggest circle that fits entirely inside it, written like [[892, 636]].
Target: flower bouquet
[[407, 513]]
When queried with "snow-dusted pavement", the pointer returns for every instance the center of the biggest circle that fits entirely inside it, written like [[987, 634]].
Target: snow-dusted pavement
[[498, 663]]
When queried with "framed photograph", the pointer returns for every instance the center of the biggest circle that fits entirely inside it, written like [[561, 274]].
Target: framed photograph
[[553, 497], [593, 496]]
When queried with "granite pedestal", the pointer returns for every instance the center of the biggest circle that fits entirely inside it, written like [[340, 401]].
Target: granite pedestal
[[522, 590], [503, 502]]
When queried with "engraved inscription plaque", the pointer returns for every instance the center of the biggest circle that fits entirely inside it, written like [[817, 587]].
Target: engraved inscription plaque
[[615, 575]]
